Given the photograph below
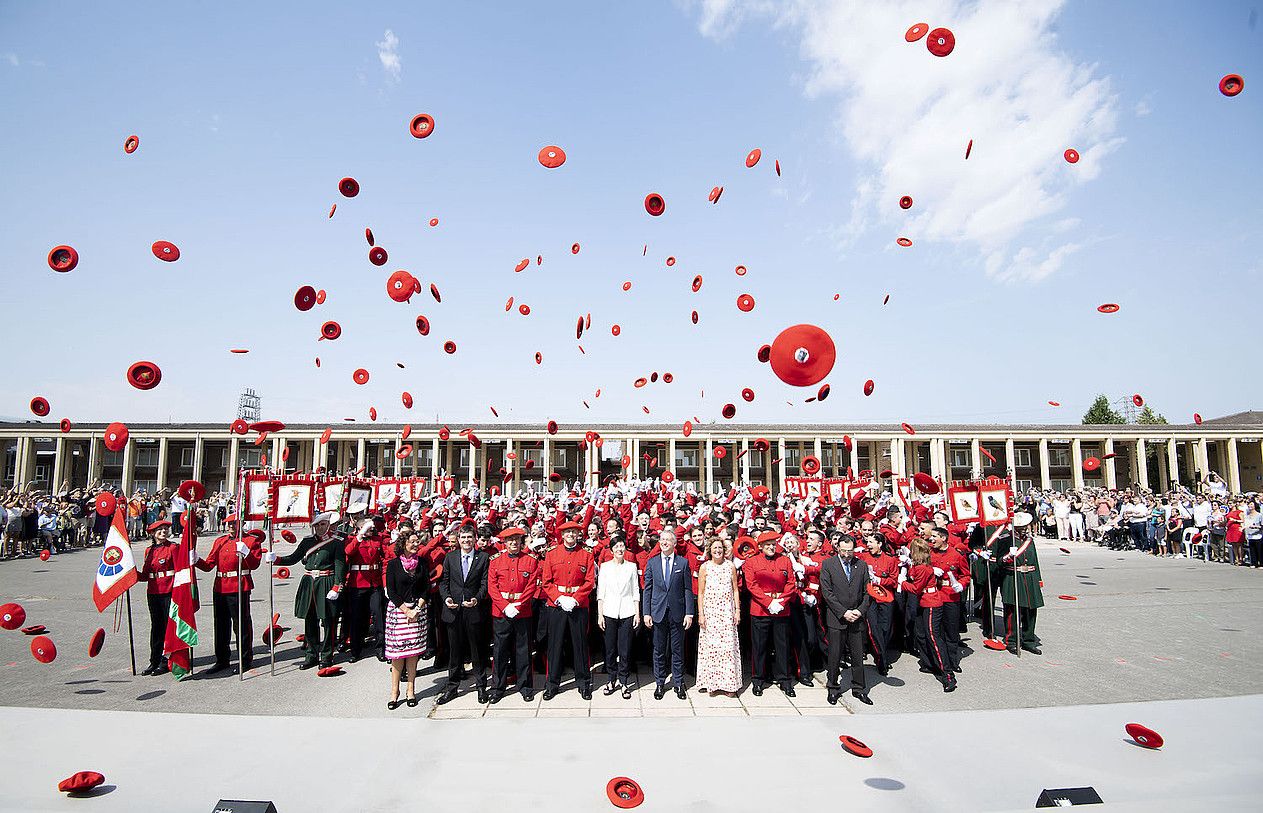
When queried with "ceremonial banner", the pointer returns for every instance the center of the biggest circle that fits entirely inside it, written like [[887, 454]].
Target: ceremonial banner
[[419, 487], [117, 571], [443, 486], [803, 487], [292, 500], [258, 490], [359, 496], [837, 490], [329, 495], [384, 491], [181, 634], [903, 492], [995, 501], [963, 502]]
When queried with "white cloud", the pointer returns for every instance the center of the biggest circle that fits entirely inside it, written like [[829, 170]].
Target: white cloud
[[12, 59], [388, 53], [906, 116], [1144, 107]]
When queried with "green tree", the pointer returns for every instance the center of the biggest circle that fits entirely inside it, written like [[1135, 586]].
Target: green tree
[[1148, 417], [1101, 412]]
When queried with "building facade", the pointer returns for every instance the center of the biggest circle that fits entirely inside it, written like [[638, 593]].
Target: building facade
[[37, 455]]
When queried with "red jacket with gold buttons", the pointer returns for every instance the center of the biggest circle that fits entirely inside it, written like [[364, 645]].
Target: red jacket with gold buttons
[[223, 560], [158, 571]]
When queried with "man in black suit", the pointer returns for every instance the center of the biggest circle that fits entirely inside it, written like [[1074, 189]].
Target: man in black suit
[[844, 590], [463, 593]]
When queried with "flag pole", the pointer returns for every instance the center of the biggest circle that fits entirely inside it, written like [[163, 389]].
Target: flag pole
[[267, 525], [241, 674], [131, 639]]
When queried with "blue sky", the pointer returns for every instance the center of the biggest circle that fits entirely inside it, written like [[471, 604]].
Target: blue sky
[[249, 114]]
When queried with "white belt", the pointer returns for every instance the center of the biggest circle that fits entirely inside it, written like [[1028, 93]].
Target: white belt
[[567, 589], [931, 590], [511, 596], [231, 574], [161, 573], [360, 568]]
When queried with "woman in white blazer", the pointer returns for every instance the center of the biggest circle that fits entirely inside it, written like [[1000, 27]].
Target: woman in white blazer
[[618, 613]]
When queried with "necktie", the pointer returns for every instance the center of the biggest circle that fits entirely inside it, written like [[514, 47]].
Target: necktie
[[464, 566], [846, 566], [666, 570]]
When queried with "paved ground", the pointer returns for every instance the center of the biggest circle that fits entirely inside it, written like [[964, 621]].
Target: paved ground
[[1142, 629], [185, 762]]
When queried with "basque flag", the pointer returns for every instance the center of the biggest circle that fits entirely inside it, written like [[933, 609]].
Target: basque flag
[[181, 634], [117, 571]]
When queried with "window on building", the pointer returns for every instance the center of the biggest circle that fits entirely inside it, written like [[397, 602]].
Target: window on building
[[223, 458], [793, 455], [186, 457], [41, 474], [425, 458], [960, 459], [463, 458], [686, 458], [1023, 457], [1025, 485], [146, 457], [559, 458], [1059, 457], [534, 456], [1061, 485], [112, 460]]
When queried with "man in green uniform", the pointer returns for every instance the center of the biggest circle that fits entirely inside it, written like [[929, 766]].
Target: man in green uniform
[[323, 554], [1018, 569]]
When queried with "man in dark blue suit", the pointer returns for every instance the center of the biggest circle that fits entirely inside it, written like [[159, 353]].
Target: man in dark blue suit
[[668, 604]]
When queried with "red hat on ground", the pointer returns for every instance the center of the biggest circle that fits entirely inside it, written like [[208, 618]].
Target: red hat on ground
[[422, 125], [329, 671], [39, 406], [165, 251], [624, 793], [43, 649], [12, 616], [34, 629], [80, 782], [144, 375], [63, 259], [1143, 735], [282, 573], [993, 643], [552, 156], [95, 643], [855, 747], [802, 355]]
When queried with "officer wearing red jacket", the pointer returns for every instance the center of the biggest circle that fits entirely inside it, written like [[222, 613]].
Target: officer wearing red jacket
[[158, 573], [569, 576], [770, 579], [883, 571], [917, 578], [512, 585], [362, 602], [233, 559], [952, 571]]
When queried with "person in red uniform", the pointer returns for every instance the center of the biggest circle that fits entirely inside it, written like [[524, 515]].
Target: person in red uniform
[[918, 579], [883, 570], [952, 571], [158, 574], [770, 580], [569, 575], [233, 559], [802, 634], [512, 584], [362, 601]]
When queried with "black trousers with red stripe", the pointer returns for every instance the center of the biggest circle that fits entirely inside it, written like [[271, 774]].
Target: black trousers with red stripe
[[934, 643], [951, 631], [774, 630], [575, 625], [880, 617], [1028, 636]]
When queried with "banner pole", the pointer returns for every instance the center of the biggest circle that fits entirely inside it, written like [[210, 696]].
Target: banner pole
[[131, 639], [267, 523], [241, 674]]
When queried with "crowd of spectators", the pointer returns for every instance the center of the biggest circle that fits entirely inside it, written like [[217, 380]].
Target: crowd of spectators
[[33, 520], [1208, 523]]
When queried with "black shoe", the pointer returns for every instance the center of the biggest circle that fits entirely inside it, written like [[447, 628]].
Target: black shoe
[[496, 696], [757, 689], [950, 686], [549, 693], [355, 658], [627, 692], [610, 688], [219, 667], [482, 697], [659, 691], [1034, 650], [448, 695], [680, 693], [307, 664], [148, 671], [585, 692], [861, 696], [1012, 649], [161, 670], [412, 702], [884, 671], [528, 696], [957, 670], [393, 704], [807, 681], [926, 670], [788, 689], [382, 657], [833, 697]]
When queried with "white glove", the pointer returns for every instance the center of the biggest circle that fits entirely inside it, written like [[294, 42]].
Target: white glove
[[1012, 553], [938, 571], [984, 554], [242, 548], [332, 595], [510, 610], [566, 603], [775, 607], [957, 587], [809, 599], [903, 575], [737, 563], [269, 557], [873, 577]]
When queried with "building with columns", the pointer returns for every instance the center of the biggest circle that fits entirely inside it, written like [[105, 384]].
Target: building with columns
[[37, 455]]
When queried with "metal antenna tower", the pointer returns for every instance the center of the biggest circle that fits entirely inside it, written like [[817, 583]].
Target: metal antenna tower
[[249, 406]]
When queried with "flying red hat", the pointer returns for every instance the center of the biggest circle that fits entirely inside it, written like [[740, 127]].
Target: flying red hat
[[144, 375], [1231, 85], [854, 746], [1091, 464], [12, 616], [349, 187], [131, 144], [940, 42], [905, 202], [444, 433], [401, 285], [267, 426], [916, 32], [655, 204], [330, 331], [43, 649], [745, 303], [360, 376], [753, 157], [165, 251], [422, 125], [552, 156], [105, 504], [667, 477], [95, 643], [449, 347], [192, 490], [39, 406], [802, 355], [810, 465], [925, 483], [63, 259], [1071, 156], [378, 255], [1143, 735]]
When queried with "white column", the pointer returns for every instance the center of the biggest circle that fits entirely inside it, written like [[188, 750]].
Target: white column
[[398, 459], [1076, 463], [516, 465], [94, 459], [709, 484], [818, 452], [234, 459], [1045, 480], [434, 461], [1111, 472], [1201, 459], [1010, 458], [1173, 464], [59, 449], [472, 469], [162, 465], [938, 458], [975, 457], [199, 452], [896, 457], [1142, 464], [780, 446], [745, 462], [548, 462], [634, 469], [671, 454], [128, 473], [1234, 467], [277, 461], [361, 454], [318, 454]]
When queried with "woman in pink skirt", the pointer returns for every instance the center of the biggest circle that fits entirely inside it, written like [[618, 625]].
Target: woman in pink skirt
[[407, 585], [718, 613]]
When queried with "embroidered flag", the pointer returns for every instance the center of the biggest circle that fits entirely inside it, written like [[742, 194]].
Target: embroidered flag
[[182, 622], [117, 571]]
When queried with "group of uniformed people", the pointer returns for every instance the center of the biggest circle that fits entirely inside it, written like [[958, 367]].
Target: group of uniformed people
[[511, 581]]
